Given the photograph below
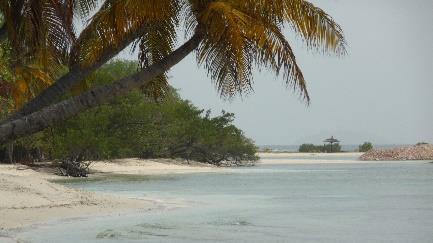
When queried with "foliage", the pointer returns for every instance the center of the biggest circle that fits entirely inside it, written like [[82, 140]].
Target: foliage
[[366, 146], [311, 148], [18, 83], [140, 126], [133, 127], [334, 148]]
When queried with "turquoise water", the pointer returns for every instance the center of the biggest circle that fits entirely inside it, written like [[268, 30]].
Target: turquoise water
[[378, 202]]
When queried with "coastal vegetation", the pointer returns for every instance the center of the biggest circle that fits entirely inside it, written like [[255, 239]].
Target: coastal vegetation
[[366, 146], [327, 148], [139, 125], [49, 58]]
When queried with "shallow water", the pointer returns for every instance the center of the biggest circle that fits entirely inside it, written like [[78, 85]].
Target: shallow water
[[379, 202]]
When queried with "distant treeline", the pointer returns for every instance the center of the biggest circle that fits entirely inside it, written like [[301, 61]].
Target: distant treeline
[[327, 148], [139, 125]]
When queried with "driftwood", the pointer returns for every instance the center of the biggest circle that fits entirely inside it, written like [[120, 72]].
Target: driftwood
[[74, 166]]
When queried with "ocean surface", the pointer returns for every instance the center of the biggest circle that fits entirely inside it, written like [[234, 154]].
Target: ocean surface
[[344, 147], [377, 202]]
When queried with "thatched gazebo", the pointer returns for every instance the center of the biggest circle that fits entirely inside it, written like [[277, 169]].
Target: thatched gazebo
[[331, 141]]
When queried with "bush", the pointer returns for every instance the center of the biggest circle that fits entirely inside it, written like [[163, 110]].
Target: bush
[[135, 128], [335, 148], [365, 147], [311, 148]]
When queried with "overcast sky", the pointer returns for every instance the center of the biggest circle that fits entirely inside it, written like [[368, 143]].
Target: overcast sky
[[382, 91]]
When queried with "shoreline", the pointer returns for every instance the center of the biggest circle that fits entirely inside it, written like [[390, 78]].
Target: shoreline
[[30, 197], [306, 155], [270, 158]]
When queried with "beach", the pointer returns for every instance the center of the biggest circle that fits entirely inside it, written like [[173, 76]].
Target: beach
[[28, 197]]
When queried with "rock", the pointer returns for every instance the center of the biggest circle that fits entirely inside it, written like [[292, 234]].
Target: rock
[[417, 152]]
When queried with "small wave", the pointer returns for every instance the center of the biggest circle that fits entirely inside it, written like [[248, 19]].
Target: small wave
[[108, 234], [156, 226], [232, 223]]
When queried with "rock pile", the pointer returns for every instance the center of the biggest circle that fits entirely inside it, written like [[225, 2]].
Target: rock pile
[[417, 152]]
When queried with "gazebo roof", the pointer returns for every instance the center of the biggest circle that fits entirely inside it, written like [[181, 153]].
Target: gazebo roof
[[331, 140]]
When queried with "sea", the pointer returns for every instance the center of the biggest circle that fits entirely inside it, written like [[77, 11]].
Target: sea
[[352, 202], [344, 147]]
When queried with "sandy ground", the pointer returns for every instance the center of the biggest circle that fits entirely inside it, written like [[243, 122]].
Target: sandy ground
[[150, 167], [27, 197]]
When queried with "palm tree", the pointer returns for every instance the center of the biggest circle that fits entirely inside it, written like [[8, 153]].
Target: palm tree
[[229, 37]]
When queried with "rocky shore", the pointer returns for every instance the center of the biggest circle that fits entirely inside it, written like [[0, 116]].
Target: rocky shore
[[417, 152]]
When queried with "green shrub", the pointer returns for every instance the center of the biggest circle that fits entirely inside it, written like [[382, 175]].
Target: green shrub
[[366, 146], [311, 148]]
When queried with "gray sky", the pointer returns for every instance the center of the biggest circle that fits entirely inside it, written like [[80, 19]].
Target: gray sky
[[381, 92]]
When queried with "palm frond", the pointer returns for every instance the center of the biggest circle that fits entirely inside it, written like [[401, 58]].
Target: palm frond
[[39, 36], [117, 19], [224, 50], [317, 29], [235, 41], [156, 43], [83, 7], [38, 33]]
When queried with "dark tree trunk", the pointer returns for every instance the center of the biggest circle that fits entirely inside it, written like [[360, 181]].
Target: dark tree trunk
[[75, 75], [10, 152], [3, 32], [48, 116]]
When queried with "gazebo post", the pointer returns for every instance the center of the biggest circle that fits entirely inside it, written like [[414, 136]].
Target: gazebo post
[[331, 142]]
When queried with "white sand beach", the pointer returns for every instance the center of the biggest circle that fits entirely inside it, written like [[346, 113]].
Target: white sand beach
[[28, 197], [150, 167]]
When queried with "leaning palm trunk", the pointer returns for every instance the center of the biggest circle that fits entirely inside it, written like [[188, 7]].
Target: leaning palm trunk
[[50, 115], [75, 75]]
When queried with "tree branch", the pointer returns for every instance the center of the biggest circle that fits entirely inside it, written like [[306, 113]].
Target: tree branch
[[53, 114]]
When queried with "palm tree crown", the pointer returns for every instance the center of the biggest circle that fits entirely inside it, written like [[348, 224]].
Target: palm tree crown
[[237, 35]]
